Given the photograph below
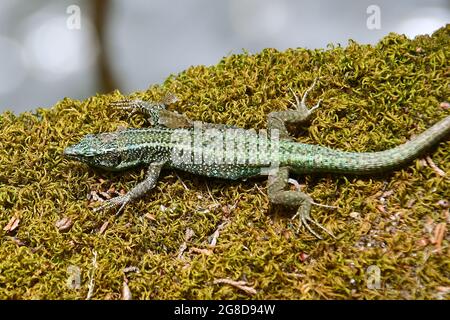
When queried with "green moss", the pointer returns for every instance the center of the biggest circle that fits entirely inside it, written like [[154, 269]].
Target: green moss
[[375, 97]]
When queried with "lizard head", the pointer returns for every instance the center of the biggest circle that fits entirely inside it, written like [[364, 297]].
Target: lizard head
[[100, 150]]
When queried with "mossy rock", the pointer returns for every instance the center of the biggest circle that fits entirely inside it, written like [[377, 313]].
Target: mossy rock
[[374, 98]]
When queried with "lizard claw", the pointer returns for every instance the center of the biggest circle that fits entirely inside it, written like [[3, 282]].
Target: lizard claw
[[317, 105], [305, 219]]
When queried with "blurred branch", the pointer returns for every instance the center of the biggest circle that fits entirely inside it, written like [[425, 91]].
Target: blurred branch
[[100, 14]]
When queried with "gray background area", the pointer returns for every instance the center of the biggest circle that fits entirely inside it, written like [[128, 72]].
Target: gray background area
[[140, 43]]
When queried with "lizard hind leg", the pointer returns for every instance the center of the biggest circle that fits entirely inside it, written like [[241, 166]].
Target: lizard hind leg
[[156, 111], [278, 195]]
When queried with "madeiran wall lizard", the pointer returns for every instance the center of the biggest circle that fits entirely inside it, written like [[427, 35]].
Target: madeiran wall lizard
[[222, 151]]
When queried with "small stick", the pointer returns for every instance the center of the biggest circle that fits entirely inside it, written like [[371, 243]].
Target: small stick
[[238, 284]]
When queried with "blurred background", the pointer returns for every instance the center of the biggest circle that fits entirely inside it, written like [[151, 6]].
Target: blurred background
[[51, 49]]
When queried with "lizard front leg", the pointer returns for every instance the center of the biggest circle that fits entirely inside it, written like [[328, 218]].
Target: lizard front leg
[[278, 119], [138, 191], [277, 183]]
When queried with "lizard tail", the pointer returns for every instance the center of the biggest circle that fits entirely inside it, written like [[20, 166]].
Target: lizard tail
[[327, 160]]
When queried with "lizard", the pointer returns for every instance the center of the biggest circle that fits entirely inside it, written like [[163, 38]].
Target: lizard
[[175, 141]]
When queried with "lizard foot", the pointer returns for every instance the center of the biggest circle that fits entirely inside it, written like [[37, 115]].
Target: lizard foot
[[133, 105], [305, 219], [152, 110], [303, 212], [114, 202], [146, 106], [127, 104], [300, 105]]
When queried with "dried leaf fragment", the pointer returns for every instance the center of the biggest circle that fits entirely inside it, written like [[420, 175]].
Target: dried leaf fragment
[[226, 210], [103, 227], [216, 233], [188, 235], [131, 269], [355, 215], [422, 242], [410, 203], [381, 208], [443, 203], [17, 241], [12, 224], [91, 285], [303, 256], [64, 224], [438, 236], [150, 216], [445, 105], [387, 194], [126, 292], [207, 252]]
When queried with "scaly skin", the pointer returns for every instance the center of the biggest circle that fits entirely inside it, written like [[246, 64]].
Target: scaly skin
[[222, 151], [129, 148]]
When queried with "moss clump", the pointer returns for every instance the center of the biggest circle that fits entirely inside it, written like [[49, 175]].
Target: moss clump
[[375, 97]]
